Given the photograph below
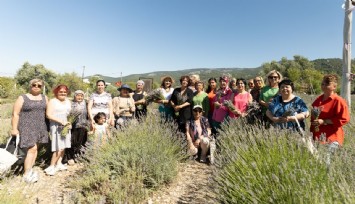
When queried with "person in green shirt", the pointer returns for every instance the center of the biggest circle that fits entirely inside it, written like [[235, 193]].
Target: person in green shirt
[[201, 98], [269, 91]]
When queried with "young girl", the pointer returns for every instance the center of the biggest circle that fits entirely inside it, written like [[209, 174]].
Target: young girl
[[101, 130]]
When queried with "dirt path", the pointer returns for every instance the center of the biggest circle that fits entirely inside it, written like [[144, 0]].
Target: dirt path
[[48, 189], [190, 186]]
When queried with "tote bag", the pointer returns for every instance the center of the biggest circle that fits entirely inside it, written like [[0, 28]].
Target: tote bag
[[6, 158]]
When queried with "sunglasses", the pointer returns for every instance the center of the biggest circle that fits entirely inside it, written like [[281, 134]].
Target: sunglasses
[[197, 110], [273, 77], [37, 85]]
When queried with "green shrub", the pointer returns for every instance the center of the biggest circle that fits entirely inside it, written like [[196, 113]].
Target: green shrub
[[136, 160], [272, 166]]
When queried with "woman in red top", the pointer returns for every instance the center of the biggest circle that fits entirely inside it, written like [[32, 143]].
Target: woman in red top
[[334, 113]]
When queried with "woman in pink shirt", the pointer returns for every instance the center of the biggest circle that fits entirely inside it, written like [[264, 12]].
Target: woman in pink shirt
[[240, 99]]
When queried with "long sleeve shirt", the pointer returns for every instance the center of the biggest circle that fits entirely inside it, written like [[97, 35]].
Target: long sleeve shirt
[[335, 109]]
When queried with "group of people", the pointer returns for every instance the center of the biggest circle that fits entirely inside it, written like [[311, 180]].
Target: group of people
[[198, 113]]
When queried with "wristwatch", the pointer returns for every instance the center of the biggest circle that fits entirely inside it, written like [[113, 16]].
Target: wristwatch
[[325, 122]]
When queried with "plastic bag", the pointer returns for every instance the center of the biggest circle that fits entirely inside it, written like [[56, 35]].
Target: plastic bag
[[7, 159]]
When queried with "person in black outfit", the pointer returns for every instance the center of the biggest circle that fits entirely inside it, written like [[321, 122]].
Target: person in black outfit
[[139, 101], [181, 101]]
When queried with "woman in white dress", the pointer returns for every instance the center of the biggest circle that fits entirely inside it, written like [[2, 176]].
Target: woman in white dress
[[57, 111]]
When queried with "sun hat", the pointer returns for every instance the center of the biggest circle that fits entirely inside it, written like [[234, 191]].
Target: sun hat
[[125, 86]]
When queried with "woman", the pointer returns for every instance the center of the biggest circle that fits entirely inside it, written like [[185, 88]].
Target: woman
[[258, 85], [193, 79], [220, 111], [251, 84], [181, 101], [80, 128], [233, 84], [100, 101], [201, 98], [28, 122], [57, 112], [211, 92], [287, 111], [164, 106], [240, 99], [333, 114], [198, 133], [139, 101], [270, 91], [123, 106]]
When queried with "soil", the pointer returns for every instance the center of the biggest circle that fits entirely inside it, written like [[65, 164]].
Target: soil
[[190, 186], [48, 189]]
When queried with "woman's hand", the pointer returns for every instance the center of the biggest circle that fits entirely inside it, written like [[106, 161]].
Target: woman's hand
[[177, 108], [217, 104], [197, 143], [15, 132], [317, 122]]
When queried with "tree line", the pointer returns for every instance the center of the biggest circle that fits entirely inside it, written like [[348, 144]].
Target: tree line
[[307, 76]]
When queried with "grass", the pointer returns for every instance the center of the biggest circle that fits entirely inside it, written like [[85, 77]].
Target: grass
[[134, 162]]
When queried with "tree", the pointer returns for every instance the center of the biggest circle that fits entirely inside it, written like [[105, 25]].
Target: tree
[[28, 72], [6, 86], [73, 81]]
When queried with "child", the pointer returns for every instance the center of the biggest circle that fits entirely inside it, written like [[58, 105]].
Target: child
[[101, 130]]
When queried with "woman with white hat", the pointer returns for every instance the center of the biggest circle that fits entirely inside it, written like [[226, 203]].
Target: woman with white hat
[[198, 133]]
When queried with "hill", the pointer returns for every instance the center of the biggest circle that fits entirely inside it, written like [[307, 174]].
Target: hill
[[328, 65], [205, 74]]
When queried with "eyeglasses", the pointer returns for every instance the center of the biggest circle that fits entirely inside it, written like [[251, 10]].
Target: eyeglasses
[[273, 77], [37, 85], [258, 80], [250, 84], [197, 110], [62, 92]]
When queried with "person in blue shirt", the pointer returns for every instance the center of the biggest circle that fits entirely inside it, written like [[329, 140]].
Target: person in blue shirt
[[286, 110]]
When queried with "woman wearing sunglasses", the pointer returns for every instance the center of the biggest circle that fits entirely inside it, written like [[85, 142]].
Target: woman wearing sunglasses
[[28, 108], [269, 91]]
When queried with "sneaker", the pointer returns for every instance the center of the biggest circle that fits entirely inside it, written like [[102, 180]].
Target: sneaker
[[61, 167], [51, 171], [30, 177], [48, 169]]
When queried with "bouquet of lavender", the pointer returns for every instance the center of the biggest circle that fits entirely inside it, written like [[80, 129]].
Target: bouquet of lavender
[[289, 112], [315, 113], [154, 95], [71, 118], [229, 105]]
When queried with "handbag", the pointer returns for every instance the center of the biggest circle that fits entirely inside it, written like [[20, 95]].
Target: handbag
[[7, 159]]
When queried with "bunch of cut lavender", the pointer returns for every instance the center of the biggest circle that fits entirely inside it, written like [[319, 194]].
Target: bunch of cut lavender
[[253, 106], [229, 105], [289, 112], [154, 95], [71, 118], [315, 113]]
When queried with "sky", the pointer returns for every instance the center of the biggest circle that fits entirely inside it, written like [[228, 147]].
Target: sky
[[111, 37]]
